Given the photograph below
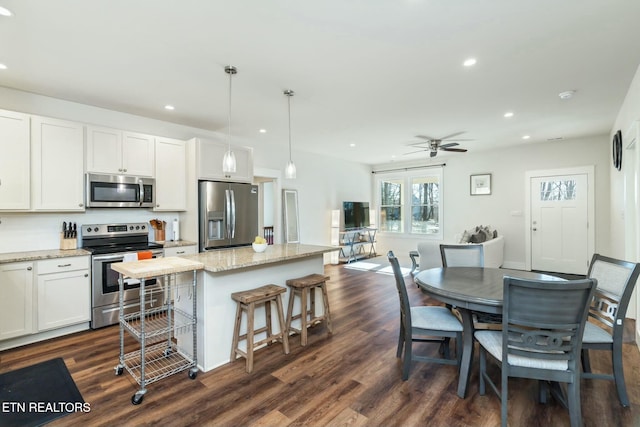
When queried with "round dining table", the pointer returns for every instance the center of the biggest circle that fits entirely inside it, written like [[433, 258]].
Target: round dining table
[[470, 289]]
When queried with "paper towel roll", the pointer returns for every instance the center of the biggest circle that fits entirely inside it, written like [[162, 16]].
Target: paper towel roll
[[176, 229]]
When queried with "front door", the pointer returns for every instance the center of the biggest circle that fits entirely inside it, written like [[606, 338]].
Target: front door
[[560, 223]]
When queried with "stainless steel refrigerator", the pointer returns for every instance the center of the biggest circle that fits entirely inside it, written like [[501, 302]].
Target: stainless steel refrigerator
[[228, 214]]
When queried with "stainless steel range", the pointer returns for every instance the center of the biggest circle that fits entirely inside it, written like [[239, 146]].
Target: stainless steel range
[[109, 243]]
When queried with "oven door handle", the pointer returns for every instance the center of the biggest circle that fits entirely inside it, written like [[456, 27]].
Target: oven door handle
[[107, 257]]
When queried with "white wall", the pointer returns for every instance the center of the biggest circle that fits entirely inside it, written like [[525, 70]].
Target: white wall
[[504, 208], [323, 183], [624, 239]]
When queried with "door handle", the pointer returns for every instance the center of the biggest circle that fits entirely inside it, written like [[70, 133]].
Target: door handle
[[233, 214]]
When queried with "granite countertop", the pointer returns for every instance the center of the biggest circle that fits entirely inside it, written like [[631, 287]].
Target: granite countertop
[[235, 258], [9, 257], [156, 267], [177, 243]]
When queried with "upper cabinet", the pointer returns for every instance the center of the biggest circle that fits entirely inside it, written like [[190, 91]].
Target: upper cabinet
[[171, 175], [14, 161], [57, 164], [209, 156], [113, 151]]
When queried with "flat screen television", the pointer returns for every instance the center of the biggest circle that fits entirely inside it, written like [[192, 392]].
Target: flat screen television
[[356, 214]]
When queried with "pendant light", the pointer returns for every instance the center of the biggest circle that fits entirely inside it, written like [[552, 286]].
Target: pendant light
[[229, 159], [290, 169]]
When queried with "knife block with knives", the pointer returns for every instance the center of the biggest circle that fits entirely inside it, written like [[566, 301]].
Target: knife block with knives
[[69, 236]]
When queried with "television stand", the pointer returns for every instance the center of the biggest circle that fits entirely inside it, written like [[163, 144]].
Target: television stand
[[357, 243]]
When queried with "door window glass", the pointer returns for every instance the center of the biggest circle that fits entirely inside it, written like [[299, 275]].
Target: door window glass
[[558, 190]]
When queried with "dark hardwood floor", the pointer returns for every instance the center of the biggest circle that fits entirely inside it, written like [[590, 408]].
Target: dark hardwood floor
[[349, 378]]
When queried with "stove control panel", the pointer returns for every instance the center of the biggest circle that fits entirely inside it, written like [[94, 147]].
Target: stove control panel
[[100, 230]]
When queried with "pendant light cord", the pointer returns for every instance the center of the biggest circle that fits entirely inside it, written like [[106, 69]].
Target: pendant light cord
[[230, 77], [289, 103]]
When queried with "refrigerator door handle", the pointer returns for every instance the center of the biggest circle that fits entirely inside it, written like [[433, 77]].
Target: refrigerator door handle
[[233, 214], [228, 212]]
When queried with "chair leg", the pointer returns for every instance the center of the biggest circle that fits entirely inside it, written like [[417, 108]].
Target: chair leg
[[504, 394], [483, 369], [573, 402], [618, 374], [250, 332], [303, 317], [236, 332], [400, 340], [586, 363], [327, 311], [445, 348], [543, 391], [283, 329], [406, 362]]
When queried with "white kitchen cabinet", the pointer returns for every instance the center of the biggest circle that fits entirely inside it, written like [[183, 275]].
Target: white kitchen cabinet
[[112, 151], [16, 299], [209, 156], [171, 175], [64, 292], [57, 164], [14, 161]]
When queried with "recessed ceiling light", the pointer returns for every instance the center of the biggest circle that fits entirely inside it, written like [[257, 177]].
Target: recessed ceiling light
[[352, 145], [5, 12], [508, 114], [262, 131], [470, 62], [526, 136], [3, 67], [567, 94], [169, 107]]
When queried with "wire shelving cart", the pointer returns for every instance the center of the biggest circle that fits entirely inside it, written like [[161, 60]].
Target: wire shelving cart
[[166, 333]]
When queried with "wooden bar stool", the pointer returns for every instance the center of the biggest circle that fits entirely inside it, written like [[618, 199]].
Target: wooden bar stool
[[305, 288], [247, 300]]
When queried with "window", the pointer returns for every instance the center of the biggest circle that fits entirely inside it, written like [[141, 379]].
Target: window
[[558, 190], [411, 203]]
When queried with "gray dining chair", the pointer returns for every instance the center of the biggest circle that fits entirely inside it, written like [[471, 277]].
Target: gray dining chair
[[423, 324], [462, 255], [469, 256], [541, 338], [604, 331]]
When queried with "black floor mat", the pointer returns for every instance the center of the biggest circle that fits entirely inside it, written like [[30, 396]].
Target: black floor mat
[[38, 394]]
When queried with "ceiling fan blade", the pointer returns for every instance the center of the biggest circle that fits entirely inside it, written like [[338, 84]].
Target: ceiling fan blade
[[428, 138], [459, 150], [433, 154], [414, 152], [451, 144], [452, 135]]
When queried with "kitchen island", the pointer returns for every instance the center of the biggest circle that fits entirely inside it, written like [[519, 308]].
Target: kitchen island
[[238, 269]]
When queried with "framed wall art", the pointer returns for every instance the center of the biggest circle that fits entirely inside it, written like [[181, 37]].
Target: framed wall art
[[480, 184]]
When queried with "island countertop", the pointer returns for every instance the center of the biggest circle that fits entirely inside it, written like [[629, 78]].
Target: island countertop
[[243, 257]]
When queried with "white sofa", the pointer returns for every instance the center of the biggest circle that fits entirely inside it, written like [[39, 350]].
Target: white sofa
[[429, 253]]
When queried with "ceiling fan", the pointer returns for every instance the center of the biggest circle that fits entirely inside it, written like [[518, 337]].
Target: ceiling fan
[[435, 144]]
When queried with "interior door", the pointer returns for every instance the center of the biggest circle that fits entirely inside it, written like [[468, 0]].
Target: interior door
[[559, 223]]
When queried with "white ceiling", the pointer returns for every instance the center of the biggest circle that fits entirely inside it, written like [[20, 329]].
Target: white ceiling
[[374, 73]]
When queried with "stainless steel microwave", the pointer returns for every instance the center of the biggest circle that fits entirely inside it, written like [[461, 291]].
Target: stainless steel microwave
[[119, 191]]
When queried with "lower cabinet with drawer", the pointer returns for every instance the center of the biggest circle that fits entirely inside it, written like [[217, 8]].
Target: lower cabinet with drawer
[[64, 292], [44, 299]]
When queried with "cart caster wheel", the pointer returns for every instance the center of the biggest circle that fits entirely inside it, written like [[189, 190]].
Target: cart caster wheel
[[193, 375], [137, 399], [167, 352], [119, 370]]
